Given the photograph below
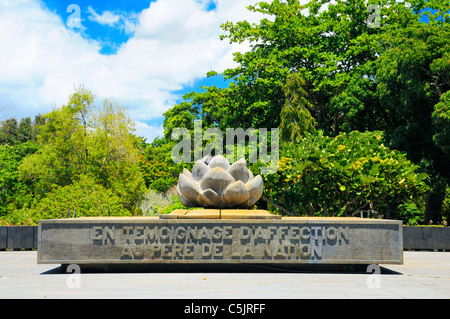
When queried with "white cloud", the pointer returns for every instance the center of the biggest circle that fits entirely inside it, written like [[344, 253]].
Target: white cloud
[[106, 18], [174, 43], [150, 132], [123, 20]]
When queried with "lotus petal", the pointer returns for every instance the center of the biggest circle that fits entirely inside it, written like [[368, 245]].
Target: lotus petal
[[250, 202], [211, 198], [183, 200], [199, 170], [214, 183], [219, 161], [239, 171], [216, 179], [236, 194], [206, 159], [189, 189], [187, 173], [255, 187]]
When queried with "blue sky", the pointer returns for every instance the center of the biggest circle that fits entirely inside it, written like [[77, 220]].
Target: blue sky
[[143, 54], [109, 35]]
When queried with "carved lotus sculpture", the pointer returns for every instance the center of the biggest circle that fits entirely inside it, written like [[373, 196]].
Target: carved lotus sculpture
[[214, 183]]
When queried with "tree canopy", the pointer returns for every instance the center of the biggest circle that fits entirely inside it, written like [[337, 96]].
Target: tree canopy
[[326, 66]]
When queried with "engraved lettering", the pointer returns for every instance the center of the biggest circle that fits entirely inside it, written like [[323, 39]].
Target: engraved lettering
[[164, 232], [245, 232], [126, 252], [139, 233], [217, 232], [178, 251], [279, 251], [247, 251], [221, 242], [139, 251], [305, 233], [181, 235], [151, 235], [206, 250], [343, 232], [189, 250], [97, 233], [331, 233], [259, 233], [217, 250], [227, 232], [317, 251], [304, 250], [204, 233]]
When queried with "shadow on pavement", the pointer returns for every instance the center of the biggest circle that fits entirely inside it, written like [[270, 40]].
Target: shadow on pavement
[[222, 268]]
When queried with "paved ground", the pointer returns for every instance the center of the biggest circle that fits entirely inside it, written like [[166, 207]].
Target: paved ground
[[423, 275]]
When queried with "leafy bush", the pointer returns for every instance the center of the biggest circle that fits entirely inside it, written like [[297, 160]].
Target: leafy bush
[[176, 204], [446, 207], [410, 213], [14, 194], [85, 198], [154, 203], [342, 176], [19, 217], [159, 171]]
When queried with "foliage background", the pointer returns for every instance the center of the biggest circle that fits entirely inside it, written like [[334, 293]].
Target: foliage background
[[364, 115]]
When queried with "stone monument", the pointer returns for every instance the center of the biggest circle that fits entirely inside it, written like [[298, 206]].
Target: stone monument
[[215, 183], [225, 231]]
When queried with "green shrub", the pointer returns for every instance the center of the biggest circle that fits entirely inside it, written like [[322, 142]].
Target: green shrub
[[14, 193], [410, 213], [155, 203], [19, 217], [85, 198], [342, 176], [176, 204]]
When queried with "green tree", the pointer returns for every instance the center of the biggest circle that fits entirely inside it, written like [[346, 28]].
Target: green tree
[[412, 86], [63, 153], [441, 123], [114, 155], [329, 45], [181, 115], [351, 75], [296, 120], [81, 139], [8, 131], [160, 172], [13, 132], [14, 194], [25, 131]]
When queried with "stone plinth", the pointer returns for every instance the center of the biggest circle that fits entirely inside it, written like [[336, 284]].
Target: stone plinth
[[220, 214], [220, 237]]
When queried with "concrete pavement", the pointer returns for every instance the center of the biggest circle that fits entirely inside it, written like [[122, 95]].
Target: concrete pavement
[[423, 275]]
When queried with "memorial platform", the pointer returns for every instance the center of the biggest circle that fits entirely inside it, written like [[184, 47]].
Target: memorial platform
[[220, 237]]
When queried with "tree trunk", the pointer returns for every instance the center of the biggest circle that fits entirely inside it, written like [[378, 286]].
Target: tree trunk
[[433, 205]]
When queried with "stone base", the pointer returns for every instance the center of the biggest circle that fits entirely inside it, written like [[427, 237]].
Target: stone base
[[220, 214], [220, 237]]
